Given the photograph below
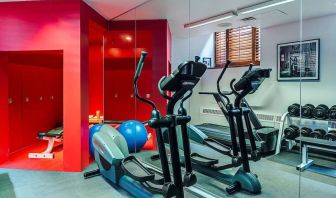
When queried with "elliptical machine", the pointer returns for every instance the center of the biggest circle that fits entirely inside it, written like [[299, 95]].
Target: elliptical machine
[[243, 179], [249, 82], [115, 163]]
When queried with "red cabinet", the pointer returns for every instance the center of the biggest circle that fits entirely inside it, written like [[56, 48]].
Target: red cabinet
[[123, 46]]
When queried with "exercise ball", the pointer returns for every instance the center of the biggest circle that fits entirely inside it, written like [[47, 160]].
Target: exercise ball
[[94, 129], [135, 134]]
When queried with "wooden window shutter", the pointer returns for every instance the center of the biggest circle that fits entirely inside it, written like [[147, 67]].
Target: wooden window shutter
[[220, 49], [242, 46]]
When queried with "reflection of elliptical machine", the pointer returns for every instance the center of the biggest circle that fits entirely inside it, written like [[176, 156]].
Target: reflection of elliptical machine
[[119, 167], [212, 166]]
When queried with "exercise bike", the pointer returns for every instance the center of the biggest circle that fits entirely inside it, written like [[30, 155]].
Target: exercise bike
[[117, 166]]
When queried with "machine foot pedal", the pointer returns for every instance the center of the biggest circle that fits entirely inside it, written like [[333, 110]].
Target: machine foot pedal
[[202, 160], [221, 148], [134, 169]]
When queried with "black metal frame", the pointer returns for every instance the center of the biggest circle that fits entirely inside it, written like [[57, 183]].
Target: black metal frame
[[157, 122], [180, 82], [236, 112]]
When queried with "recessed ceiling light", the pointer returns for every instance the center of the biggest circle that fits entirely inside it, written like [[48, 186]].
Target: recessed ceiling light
[[262, 6], [209, 20]]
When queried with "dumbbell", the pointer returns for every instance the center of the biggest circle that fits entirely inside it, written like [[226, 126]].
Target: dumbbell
[[332, 113], [317, 133], [321, 112], [305, 131], [291, 132], [307, 111], [294, 109], [331, 135]]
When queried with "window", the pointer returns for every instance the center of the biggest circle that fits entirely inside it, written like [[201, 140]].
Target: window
[[240, 45]]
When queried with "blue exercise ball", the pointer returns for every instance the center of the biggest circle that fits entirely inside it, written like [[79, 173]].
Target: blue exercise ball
[[94, 129], [135, 134]]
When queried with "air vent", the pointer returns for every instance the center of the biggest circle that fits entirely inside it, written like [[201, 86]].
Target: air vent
[[249, 19], [265, 117], [211, 111], [260, 116], [278, 118]]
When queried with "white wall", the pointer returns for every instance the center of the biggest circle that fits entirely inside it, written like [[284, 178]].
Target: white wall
[[273, 97], [184, 49]]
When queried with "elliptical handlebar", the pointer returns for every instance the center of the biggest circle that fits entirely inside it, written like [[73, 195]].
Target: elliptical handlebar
[[140, 65], [136, 77], [186, 97], [163, 92], [228, 62]]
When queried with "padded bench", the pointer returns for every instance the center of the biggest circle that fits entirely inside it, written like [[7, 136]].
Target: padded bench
[[52, 136], [307, 142]]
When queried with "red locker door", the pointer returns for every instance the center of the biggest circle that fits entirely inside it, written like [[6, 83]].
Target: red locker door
[[31, 92], [45, 113], [15, 107], [119, 97], [57, 96]]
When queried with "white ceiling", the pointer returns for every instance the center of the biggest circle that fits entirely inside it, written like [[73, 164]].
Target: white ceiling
[[180, 12], [177, 13], [113, 8]]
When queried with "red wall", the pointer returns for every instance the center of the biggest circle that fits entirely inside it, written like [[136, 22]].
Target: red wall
[[50, 25], [53, 25], [122, 53], [76, 29], [118, 72], [37, 76], [4, 126], [96, 67], [158, 64], [92, 28]]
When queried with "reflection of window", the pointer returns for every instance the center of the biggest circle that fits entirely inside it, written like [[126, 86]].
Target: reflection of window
[[240, 45]]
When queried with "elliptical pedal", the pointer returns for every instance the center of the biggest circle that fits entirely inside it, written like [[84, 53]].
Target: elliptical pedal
[[202, 160], [134, 169], [217, 146]]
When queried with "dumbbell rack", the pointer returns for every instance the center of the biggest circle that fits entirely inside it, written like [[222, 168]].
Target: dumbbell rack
[[287, 120], [307, 142]]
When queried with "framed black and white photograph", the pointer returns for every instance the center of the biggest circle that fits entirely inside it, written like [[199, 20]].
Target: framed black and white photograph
[[207, 61], [299, 60]]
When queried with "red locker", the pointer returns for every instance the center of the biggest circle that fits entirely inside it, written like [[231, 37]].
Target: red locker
[[15, 107], [122, 52]]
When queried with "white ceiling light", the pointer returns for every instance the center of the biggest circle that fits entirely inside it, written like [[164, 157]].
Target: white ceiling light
[[262, 6], [209, 20]]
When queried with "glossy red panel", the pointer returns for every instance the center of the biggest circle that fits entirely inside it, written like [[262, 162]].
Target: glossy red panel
[[121, 50], [96, 67], [36, 94], [4, 126], [92, 26], [25, 27]]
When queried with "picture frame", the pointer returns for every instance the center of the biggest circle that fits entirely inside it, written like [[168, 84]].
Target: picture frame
[[298, 60], [207, 61]]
